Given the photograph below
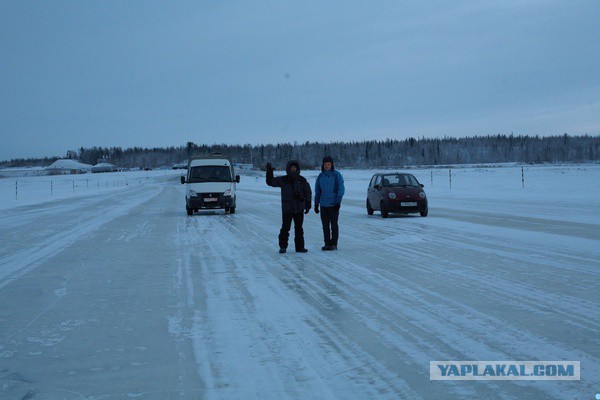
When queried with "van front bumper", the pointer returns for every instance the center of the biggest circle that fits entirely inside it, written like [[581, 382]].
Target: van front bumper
[[198, 202]]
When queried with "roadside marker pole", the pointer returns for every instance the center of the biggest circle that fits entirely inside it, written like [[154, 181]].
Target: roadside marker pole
[[431, 178], [73, 185], [51, 189], [450, 176], [522, 178], [16, 189]]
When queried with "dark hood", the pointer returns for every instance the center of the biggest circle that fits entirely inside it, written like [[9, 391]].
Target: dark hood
[[289, 166], [327, 159]]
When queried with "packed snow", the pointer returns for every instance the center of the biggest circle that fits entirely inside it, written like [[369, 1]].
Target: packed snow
[[108, 290]]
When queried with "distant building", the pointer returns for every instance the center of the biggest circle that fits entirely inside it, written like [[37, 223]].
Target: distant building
[[65, 167], [103, 167]]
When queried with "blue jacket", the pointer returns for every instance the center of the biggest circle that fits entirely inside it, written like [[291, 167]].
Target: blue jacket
[[329, 188]]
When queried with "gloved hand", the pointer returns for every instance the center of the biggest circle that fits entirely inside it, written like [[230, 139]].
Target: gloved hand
[[307, 211], [316, 208]]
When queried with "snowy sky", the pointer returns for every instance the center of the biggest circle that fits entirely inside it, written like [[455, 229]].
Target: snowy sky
[[159, 73]]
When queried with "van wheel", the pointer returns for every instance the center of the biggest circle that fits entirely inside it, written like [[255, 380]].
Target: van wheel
[[189, 211], [384, 210], [232, 210], [424, 213], [369, 209]]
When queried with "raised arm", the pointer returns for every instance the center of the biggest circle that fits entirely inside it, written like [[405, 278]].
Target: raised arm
[[271, 180]]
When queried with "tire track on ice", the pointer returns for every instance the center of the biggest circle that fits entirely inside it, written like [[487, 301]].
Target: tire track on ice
[[20, 262], [513, 286], [454, 319], [270, 298]]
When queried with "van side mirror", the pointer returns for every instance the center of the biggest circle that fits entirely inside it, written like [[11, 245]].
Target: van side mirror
[[377, 187], [237, 179], [421, 185], [182, 179]]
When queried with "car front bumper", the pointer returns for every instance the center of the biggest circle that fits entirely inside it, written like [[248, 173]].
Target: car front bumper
[[396, 206]]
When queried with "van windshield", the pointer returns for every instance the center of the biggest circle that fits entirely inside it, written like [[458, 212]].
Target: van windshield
[[210, 173]]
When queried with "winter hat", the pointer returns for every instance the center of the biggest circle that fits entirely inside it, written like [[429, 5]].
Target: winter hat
[[288, 168], [327, 159]]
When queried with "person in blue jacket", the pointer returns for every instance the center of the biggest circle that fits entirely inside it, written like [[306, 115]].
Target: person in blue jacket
[[329, 191]]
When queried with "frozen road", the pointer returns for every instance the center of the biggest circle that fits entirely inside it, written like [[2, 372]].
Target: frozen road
[[123, 296]]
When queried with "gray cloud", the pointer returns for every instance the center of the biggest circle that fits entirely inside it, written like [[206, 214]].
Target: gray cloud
[[162, 73]]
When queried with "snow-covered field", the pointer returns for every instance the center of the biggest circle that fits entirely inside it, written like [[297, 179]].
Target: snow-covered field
[[108, 290]]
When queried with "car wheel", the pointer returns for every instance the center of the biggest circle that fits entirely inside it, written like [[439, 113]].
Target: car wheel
[[369, 209], [189, 211], [424, 213], [384, 210], [232, 210]]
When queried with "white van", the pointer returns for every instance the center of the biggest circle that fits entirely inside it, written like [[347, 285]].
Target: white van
[[210, 183]]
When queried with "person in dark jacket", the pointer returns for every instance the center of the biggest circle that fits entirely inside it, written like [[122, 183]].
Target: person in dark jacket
[[295, 200], [329, 191]]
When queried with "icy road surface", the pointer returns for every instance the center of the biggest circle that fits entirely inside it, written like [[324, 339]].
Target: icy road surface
[[120, 295]]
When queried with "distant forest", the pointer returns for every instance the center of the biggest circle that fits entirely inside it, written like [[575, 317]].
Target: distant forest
[[368, 153]]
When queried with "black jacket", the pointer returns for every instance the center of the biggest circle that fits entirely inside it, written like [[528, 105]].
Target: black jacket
[[295, 189]]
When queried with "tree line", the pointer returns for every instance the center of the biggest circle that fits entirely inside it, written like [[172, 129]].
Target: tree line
[[367, 153]]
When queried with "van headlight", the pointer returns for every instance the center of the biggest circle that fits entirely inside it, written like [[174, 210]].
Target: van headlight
[[193, 193], [392, 195], [422, 195], [227, 193]]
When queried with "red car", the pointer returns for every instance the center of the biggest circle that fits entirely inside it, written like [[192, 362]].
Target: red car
[[396, 193]]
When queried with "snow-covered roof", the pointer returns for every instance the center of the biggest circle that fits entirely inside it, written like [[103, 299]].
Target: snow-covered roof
[[104, 167], [69, 165]]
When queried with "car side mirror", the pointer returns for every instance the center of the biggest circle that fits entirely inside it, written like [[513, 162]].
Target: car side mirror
[[420, 184], [182, 179], [237, 179], [377, 187]]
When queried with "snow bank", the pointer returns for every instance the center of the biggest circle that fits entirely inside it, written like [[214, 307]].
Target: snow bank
[[32, 190]]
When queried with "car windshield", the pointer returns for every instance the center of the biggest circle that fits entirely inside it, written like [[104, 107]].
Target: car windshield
[[210, 173], [399, 180]]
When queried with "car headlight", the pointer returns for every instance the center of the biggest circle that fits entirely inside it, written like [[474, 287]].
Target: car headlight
[[422, 195], [392, 195], [193, 193], [227, 192]]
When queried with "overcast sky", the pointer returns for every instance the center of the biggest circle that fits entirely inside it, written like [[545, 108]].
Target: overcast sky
[[161, 73]]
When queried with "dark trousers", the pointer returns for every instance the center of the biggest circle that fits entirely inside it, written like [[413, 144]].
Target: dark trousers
[[286, 224], [329, 219]]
